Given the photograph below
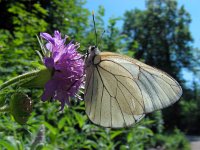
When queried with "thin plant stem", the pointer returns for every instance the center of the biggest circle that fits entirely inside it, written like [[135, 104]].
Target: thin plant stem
[[19, 79]]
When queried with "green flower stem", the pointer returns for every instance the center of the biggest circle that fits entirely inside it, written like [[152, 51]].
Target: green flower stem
[[19, 79], [5, 108]]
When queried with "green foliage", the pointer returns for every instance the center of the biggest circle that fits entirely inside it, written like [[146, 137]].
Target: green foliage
[[191, 115], [67, 16], [171, 141], [71, 129], [113, 40], [19, 41]]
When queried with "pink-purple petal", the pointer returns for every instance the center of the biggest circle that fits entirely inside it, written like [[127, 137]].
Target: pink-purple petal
[[47, 37], [49, 46]]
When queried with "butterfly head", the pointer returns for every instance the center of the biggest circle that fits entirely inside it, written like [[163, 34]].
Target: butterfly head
[[93, 50]]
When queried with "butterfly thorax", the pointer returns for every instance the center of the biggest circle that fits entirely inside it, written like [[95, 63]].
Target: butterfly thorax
[[93, 53]]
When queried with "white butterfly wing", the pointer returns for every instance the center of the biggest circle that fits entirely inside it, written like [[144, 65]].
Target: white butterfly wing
[[120, 90]]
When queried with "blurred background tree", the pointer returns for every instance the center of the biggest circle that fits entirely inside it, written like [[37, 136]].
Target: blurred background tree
[[159, 36]]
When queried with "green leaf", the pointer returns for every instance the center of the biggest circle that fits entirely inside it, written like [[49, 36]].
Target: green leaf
[[53, 130], [7, 145], [115, 134], [62, 122]]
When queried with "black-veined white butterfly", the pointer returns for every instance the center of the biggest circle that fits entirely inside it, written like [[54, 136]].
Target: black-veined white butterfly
[[120, 90]]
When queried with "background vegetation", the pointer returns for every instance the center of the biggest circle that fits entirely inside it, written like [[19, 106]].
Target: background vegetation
[[159, 36]]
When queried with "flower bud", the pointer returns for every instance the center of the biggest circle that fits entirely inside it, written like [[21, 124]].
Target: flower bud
[[20, 107]]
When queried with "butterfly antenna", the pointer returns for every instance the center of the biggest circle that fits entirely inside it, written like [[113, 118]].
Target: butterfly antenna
[[94, 27]]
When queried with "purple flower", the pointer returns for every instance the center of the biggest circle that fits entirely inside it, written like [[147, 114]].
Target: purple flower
[[67, 69]]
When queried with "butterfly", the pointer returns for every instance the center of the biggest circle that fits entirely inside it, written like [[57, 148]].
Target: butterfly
[[120, 90]]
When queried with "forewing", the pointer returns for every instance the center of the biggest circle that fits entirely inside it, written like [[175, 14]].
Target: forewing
[[149, 88]]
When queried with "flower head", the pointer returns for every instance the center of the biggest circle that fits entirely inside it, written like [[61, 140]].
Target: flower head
[[67, 66]]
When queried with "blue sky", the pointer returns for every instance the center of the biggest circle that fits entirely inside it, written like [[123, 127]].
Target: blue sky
[[116, 8]]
